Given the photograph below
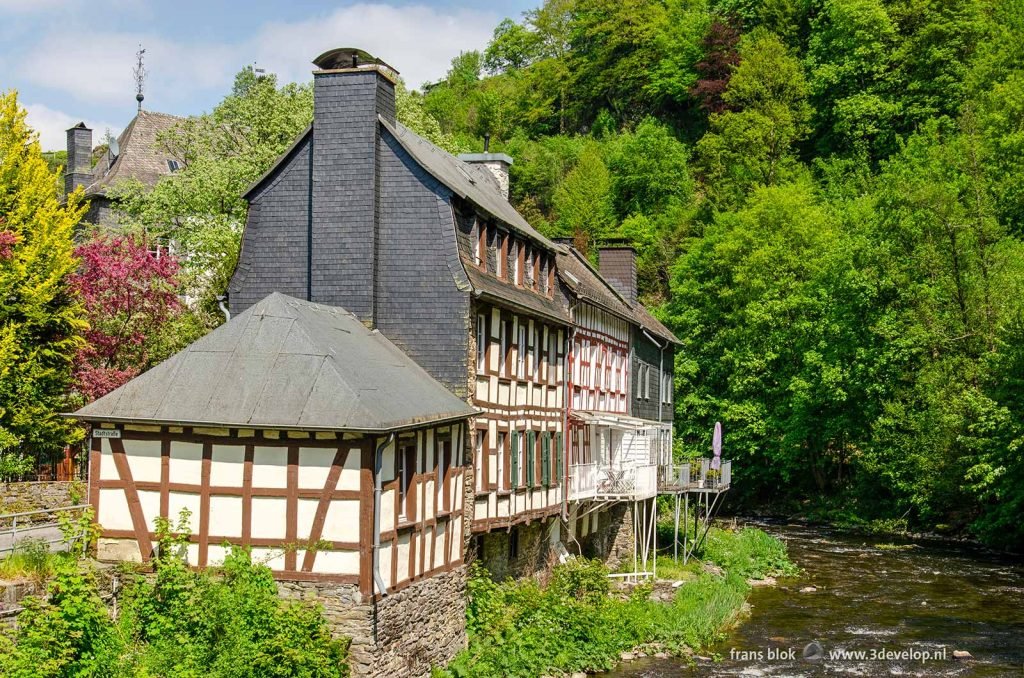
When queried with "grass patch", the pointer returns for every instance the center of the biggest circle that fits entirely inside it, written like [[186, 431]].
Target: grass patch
[[577, 623], [895, 547], [32, 561]]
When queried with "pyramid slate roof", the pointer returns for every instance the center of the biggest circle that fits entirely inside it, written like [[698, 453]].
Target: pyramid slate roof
[[285, 363], [140, 157]]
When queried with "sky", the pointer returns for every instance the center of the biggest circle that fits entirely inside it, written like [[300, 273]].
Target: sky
[[71, 60]]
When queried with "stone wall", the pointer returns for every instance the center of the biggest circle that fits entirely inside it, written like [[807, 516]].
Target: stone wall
[[35, 496], [403, 634], [530, 558], [614, 538]]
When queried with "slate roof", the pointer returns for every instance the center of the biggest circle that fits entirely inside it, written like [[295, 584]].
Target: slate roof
[[139, 156], [285, 363], [499, 291], [470, 182], [587, 284]]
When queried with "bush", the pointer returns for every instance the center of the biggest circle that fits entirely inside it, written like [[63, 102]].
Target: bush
[[220, 622], [518, 628]]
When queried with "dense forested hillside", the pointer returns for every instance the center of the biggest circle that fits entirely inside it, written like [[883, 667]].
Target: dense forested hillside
[[828, 201]]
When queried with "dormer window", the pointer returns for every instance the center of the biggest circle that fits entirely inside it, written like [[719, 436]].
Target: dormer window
[[530, 270], [173, 165]]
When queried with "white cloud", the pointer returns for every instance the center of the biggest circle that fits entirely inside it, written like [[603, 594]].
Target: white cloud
[[417, 40], [52, 126], [32, 5]]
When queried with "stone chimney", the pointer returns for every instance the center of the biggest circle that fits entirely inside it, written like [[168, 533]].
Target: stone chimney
[[79, 168], [350, 90], [496, 163], [618, 266]]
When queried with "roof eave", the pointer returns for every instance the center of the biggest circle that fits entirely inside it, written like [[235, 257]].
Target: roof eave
[[392, 428]]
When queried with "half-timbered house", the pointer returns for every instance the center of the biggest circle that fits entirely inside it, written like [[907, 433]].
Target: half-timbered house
[[299, 433], [363, 213], [619, 439]]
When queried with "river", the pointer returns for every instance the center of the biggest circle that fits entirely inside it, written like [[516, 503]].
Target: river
[[907, 610]]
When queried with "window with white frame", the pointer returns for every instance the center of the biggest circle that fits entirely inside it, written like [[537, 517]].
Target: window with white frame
[[481, 343], [535, 353], [552, 356]]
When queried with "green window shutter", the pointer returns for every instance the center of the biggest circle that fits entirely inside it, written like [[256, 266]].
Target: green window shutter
[[514, 466], [545, 459], [559, 458], [530, 459]]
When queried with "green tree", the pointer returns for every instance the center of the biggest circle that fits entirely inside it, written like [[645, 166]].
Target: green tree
[[850, 58], [40, 318], [583, 201], [753, 143]]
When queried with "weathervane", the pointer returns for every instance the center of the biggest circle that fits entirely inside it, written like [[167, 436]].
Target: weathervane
[[140, 76]]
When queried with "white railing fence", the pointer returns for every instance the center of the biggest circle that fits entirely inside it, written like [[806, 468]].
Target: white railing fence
[[582, 481]]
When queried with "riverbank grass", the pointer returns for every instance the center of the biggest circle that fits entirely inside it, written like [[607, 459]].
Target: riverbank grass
[[578, 622]]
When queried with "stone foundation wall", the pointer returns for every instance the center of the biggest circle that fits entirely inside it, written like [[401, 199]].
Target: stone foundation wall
[[531, 557], [405, 633], [35, 496], [614, 538]]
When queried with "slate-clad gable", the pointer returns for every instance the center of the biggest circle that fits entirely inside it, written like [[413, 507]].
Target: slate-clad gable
[[423, 290], [274, 245]]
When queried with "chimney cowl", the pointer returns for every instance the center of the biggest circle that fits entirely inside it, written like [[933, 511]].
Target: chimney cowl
[[348, 58]]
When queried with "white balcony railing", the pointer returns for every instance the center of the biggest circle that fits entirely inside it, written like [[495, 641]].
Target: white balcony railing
[[627, 482], [582, 481], [699, 475]]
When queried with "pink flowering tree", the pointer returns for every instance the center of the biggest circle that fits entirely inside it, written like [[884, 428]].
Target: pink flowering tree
[[131, 303]]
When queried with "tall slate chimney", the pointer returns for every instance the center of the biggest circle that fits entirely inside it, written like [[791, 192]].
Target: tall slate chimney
[[350, 89], [618, 266], [79, 169]]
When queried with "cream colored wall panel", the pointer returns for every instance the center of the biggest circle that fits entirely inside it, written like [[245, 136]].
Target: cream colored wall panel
[[176, 501], [385, 556], [403, 556], [480, 508], [226, 516], [306, 513], [143, 459], [150, 501], [350, 471], [342, 523], [114, 510], [192, 554], [336, 562], [272, 558], [269, 517], [270, 467], [503, 507], [118, 549], [504, 390], [107, 469], [314, 465], [457, 539], [215, 554], [424, 558], [439, 547], [429, 496], [387, 510], [186, 462], [227, 465]]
